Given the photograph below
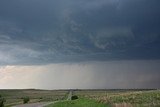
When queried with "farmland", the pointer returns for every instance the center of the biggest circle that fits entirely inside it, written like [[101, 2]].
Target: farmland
[[15, 97]]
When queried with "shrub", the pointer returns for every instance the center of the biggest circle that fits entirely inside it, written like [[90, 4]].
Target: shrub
[[25, 100], [2, 100], [1, 103], [74, 97]]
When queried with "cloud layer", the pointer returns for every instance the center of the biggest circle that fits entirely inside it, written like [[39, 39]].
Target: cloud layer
[[43, 32]]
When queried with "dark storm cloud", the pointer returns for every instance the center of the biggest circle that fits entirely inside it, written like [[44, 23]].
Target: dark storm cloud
[[41, 32]]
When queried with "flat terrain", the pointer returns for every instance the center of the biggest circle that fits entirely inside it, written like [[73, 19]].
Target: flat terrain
[[123, 98], [78, 103], [86, 98], [15, 97], [40, 104]]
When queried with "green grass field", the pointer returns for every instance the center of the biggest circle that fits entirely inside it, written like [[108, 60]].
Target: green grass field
[[78, 103]]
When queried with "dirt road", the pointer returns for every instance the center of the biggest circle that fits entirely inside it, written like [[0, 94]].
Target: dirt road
[[70, 95], [41, 104]]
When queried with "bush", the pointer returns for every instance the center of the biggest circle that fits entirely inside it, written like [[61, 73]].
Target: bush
[[26, 100], [74, 97], [1, 101]]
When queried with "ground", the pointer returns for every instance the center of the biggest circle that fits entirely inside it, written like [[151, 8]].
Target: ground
[[15, 97], [87, 98], [78, 103]]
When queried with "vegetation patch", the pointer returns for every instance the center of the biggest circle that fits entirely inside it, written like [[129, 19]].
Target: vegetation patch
[[74, 97], [16, 96], [25, 100], [78, 103], [2, 100], [134, 98]]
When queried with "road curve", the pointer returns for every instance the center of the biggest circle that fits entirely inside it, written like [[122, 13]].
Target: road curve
[[41, 104]]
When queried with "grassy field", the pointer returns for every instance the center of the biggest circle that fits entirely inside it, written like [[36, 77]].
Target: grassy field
[[130, 98], [14, 97], [78, 103], [87, 98]]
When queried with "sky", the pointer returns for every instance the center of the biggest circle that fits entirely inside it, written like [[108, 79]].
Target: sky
[[63, 44]]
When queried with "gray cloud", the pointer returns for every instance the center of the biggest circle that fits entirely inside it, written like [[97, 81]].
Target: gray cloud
[[42, 32]]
